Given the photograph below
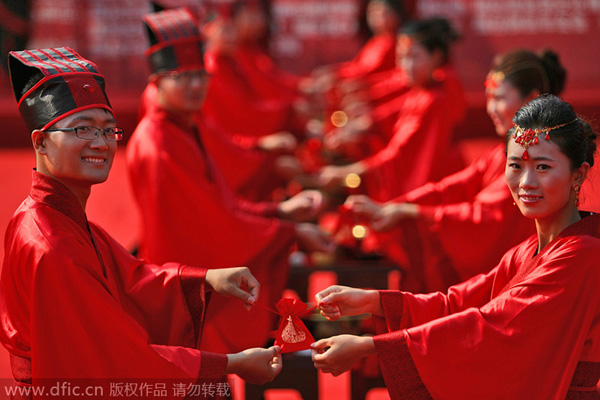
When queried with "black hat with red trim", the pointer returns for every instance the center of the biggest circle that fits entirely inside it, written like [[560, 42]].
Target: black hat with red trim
[[175, 41], [50, 84]]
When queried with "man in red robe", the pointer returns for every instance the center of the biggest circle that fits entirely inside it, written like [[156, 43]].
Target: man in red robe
[[189, 213], [74, 303]]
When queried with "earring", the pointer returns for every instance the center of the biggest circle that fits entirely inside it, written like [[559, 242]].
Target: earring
[[576, 189]]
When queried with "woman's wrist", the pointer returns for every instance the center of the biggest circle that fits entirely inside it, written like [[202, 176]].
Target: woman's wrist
[[374, 302]]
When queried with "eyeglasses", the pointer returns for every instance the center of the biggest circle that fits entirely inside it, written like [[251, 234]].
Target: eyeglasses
[[91, 132], [188, 76]]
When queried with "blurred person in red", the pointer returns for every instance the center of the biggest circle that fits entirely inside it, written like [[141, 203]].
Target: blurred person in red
[[189, 213], [378, 54], [251, 19], [256, 114], [418, 151], [76, 307], [447, 231]]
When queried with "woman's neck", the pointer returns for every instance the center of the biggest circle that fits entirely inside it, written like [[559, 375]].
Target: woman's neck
[[549, 228]]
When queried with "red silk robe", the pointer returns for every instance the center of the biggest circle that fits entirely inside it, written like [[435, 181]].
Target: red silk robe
[[190, 215], [469, 221], [418, 152], [264, 76], [529, 329], [236, 107], [75, 304], [247, 170]]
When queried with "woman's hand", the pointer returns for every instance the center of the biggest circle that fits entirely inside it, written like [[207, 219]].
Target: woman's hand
[[337, 354], [333, 176], [304, 206], [237, 282], [311, 238], [337, 301], [390, 215], [282, 142], [256, 366], [362, 206]]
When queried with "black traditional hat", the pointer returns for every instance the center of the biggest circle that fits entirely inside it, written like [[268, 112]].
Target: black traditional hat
[[51, 84], [175, 41]]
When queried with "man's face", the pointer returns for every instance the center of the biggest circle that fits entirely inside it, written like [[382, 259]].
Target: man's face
[[183, 91], [75, 161]]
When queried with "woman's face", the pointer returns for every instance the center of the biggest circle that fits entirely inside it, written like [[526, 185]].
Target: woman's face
[[541, 185], [251, 23], [75, 161], [416, 61], [381, 18], [503, 101]]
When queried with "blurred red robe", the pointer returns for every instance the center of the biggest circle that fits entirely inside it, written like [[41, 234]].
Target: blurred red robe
[[263, 75], [76, 304], [377, 55], [190, 215], [419, 150], [529, 329], [234, 104], [247, 170]]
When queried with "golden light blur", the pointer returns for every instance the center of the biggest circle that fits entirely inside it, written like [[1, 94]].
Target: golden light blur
[[352, 181], [339, 119], [359, 231]]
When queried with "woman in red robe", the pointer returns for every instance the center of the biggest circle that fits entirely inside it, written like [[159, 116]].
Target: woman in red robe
[[231, 100], [76, 307], [450, 230], [377, 55], [417, 152], [530, 327], [251, 19]]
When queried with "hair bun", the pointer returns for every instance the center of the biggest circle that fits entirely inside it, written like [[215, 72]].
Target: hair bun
[[555, 71]]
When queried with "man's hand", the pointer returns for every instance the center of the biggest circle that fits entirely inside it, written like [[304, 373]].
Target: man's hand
[[237, 282], [256, 366]]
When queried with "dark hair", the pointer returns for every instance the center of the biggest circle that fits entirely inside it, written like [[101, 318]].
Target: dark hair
[[32, 81], [397, 6], [528, 71], [433, 34], [576, 139]]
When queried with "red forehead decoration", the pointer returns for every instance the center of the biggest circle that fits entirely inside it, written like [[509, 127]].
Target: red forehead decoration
[[529, 137], [494, 79]]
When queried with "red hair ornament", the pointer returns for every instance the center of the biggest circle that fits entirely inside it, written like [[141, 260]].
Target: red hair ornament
[[529, 137]]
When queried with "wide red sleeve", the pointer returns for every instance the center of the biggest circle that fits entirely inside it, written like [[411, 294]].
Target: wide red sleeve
[[529, 337], [458, 187], [404, 309], [85, 325]]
